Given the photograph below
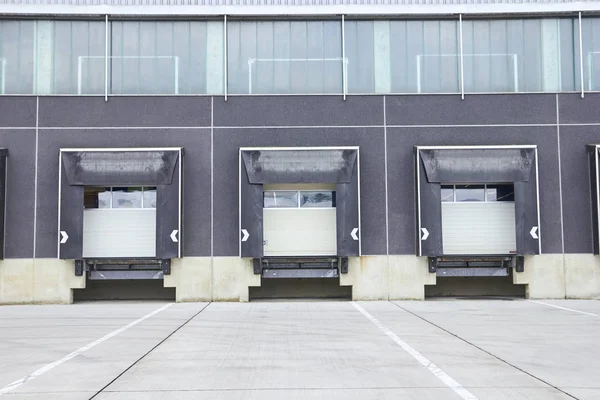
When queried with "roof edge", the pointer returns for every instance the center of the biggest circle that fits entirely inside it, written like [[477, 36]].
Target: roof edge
[[373, 10]]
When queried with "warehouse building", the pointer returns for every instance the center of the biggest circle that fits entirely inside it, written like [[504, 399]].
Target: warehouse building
[[235, 150]]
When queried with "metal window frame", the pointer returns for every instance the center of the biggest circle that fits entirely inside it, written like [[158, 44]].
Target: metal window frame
[[143, 190], [485, 189], [298, 202]]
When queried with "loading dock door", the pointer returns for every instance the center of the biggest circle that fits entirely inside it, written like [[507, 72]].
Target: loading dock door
[[123, 233], [438, 167], [299, 220], [478, 220], [3, 156], [338, 167]]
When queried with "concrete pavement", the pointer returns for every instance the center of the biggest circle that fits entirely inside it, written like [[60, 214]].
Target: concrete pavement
[[436, 349]]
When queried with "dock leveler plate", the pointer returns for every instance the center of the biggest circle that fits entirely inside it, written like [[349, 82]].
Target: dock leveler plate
[[149, 167]]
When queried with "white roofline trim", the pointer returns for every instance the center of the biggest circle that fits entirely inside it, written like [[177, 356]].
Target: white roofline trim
[[297, 11]]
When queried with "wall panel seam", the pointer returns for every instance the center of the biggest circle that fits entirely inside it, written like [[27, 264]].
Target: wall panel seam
[[35, 174]]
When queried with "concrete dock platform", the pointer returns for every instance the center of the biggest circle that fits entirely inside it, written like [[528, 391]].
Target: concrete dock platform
[[437, 349]]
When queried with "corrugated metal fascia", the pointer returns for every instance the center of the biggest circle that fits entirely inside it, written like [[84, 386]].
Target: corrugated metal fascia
[[255, 11], [260, 3], [156, 8]]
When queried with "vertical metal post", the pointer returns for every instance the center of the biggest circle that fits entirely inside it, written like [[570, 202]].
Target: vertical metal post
[[344, 77], [225, 56], [462, 65], [106, 58], [581, 58]]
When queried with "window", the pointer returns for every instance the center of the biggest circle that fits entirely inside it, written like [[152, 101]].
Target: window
[[590, 28], [477, 193], [317, 199], [96, 197], [119, 197], [284, 57], [76, 57], [166, 57], [518, 55], [298, 199], [403, 56], [424, 56], [16, 57], [280, 199]]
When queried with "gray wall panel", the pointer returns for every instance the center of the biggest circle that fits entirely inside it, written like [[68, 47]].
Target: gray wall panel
[[19, 191], [473, 110], [196, 143], [17, 111], [577, 207], [575, 110], [298, 111], [124, 111], [226, 146], [401, 175]]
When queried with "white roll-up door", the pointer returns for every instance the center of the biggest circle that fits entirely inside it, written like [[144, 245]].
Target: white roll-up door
[[292, 227], [119, 233], [302, 232], [478, 228]]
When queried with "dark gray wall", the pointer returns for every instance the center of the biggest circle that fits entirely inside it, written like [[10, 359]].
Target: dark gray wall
[[19, 191], [317, 121], [87, 122], [402, 209], [19, 112], [197, 122], [372, 196]]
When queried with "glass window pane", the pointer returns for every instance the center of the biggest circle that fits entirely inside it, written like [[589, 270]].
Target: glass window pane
[[317, 199], [149, 197], [77, 58], [165, 57], [591, 53], [16, 57], [280, 199], [447, 193], [424, 56], [470, 193], [126, 197], [96, 197], [502, 192], [360, 52], [284, 57], [518, 55]]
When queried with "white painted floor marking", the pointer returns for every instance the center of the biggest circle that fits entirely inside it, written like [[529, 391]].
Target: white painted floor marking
[[48, 367], [564, 308], [434, 369]]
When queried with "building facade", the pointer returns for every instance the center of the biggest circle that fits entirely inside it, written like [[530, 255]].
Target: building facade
[[394, 149]]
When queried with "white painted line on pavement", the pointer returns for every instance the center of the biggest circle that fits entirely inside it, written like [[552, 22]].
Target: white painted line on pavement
[[564, 308], [434, 369], [48, 367]]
